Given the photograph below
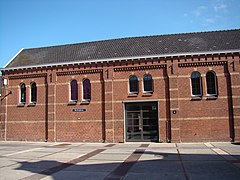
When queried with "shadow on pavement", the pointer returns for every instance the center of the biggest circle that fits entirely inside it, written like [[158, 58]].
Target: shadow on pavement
[[151, 165]]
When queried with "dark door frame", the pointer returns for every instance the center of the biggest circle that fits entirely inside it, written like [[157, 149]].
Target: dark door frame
[[140, 112]]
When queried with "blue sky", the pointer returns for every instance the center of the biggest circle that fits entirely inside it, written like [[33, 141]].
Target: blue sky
[[38, 23]]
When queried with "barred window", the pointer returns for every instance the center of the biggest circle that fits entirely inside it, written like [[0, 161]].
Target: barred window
[[196, 84], [86, 89], [74, 90], [211, 83], [133, 84], [33, 92], [147, 83]]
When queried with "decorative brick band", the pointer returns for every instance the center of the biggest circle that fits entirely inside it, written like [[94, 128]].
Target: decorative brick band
[[195, 64], [28, 76], [136, 68], [79, 72]]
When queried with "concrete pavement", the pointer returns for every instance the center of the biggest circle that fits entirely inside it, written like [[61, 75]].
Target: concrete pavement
[[36, 160]]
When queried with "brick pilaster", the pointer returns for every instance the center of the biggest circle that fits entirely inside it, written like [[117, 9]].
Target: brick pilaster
[[234, 110]]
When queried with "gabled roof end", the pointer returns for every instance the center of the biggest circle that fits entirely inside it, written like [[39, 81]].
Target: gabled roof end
[[13, 58]]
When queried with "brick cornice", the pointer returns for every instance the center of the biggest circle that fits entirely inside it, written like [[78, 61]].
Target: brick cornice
[[28, 76], [79, 72], [196, 64], [136, 68]]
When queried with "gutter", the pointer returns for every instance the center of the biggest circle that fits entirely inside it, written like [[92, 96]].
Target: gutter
[[118, 59]]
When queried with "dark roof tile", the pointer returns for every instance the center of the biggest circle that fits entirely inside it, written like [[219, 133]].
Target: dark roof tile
[[130, 47]]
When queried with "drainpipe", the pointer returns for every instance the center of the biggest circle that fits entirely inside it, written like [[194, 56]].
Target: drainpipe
[[46, 109], [168, 112], [230, 105]]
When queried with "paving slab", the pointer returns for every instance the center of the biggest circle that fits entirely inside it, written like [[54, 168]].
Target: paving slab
[[162, 145], [158, 176], [11, 173], [30, 155], [156, 167], [110, 157], [95, 166], [4, 162], [159, 156], [75, 175], [211, 170], [36, 160]]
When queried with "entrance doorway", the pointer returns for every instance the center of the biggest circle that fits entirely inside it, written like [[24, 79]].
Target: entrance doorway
[[141, 122]]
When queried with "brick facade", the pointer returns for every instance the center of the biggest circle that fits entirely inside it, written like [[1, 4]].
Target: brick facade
[[186, 89], [181, 118]]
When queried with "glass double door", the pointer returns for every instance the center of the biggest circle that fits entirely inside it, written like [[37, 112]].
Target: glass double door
[[141, 122]]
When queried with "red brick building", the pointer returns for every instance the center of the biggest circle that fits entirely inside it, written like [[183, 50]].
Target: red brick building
[[166, 88]]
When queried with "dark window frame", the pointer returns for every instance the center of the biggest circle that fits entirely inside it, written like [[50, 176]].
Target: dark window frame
[[73, 90], [133, 84], [23, 93], [33, 97], [211, 83], [196, 84], [147, 83], [86, 89]]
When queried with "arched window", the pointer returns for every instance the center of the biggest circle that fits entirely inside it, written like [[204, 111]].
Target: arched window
[[196, 84], [22, 93], [74, 90], [147, 83], [211, 83], [33, 92], [86, 89], [133, 84]]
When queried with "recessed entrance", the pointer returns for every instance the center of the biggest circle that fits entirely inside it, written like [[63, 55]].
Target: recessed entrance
[[141, 122]]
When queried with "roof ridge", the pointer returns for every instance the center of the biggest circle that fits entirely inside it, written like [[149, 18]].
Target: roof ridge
[[131, 37]]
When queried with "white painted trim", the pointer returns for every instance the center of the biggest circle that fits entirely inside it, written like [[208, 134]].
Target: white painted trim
[[122, 59], [13, 58]]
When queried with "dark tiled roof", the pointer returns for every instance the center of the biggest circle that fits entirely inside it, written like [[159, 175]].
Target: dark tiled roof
[[130, 47]]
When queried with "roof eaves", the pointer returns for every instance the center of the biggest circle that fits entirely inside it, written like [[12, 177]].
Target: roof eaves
[[123, 58]]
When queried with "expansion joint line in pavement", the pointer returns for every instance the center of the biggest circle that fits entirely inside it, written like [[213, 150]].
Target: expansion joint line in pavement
[[123, 168], [55, 152], [225, 155], [62, 166], [181, 161]]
